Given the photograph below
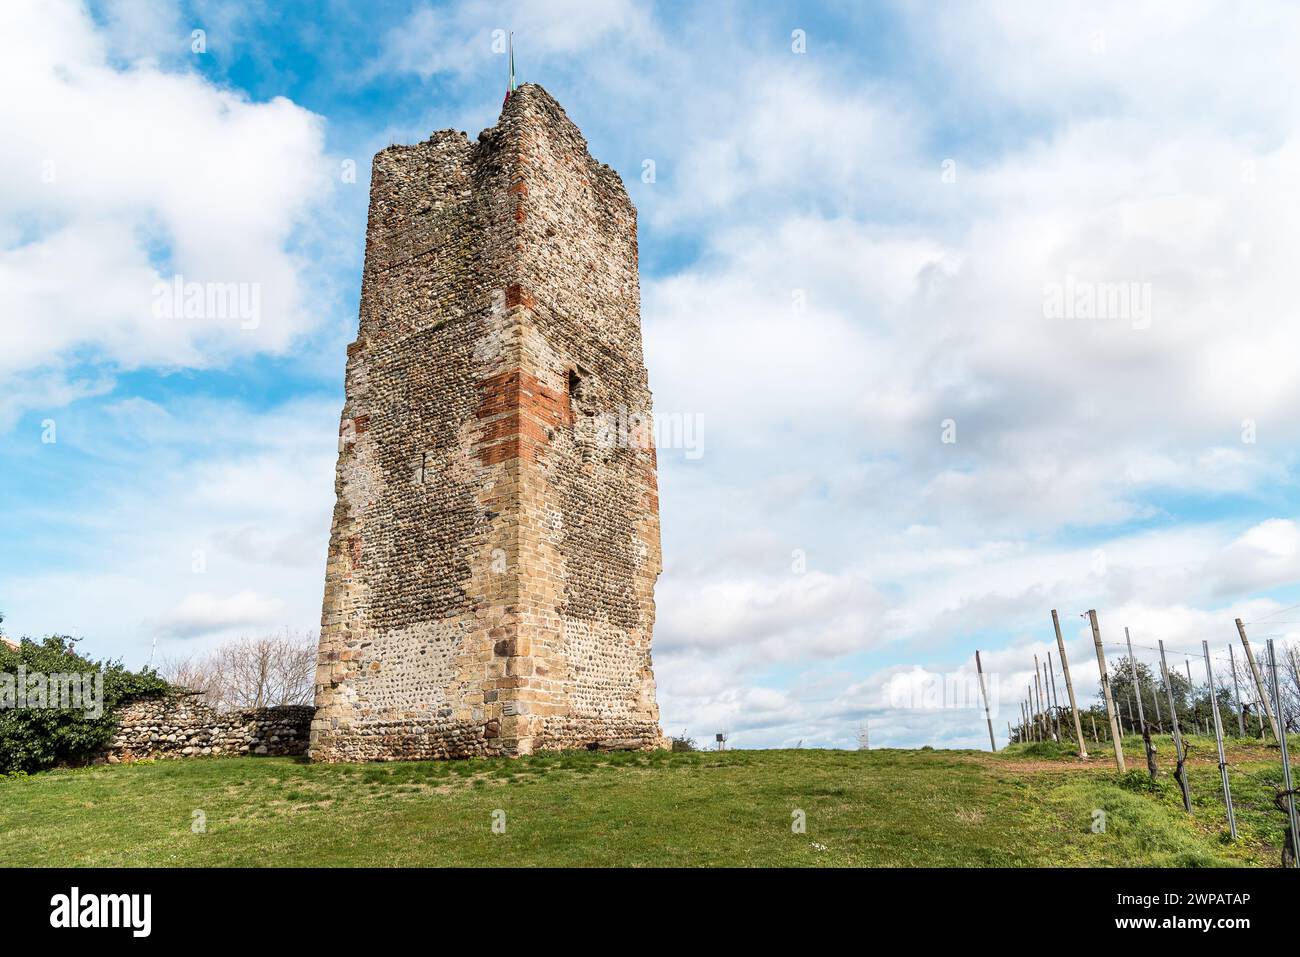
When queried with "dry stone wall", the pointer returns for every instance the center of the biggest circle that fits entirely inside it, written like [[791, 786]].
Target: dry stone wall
[[490, 578], [182, 726]]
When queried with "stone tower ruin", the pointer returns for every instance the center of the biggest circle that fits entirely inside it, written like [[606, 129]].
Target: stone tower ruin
[[495, 543]]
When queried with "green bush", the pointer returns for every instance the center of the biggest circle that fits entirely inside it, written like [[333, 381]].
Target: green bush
[[33, 738]]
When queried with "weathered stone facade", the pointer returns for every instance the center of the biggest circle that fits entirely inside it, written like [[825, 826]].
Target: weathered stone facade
[[182, 726], [493, 555]]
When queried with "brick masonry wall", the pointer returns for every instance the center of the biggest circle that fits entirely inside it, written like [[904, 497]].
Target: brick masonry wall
[[490, 578], [183, 726]]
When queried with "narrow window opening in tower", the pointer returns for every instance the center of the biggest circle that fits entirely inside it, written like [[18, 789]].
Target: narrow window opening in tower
[[575, 386], [424, 461]]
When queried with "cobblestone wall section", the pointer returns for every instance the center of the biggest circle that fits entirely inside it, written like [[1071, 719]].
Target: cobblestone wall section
[[176, 727]]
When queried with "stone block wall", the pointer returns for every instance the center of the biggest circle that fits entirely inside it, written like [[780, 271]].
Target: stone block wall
[[183, 726]]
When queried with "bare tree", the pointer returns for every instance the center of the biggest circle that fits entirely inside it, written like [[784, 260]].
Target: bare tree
[[1288, 664], [250, 672], [200, 674]]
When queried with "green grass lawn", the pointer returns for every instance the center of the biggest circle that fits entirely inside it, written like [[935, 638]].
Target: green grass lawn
[[1025, 807]]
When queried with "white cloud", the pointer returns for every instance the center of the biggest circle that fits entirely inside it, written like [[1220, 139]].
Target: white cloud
[[790, 135], [205, 520], [1174, 62], [802, 616], [202, 614], [125, 176], [144, 30], [459, 38], [1064, 427]]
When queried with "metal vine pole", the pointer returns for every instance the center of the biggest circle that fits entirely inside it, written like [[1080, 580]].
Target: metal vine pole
[[1143, 728], [1236, 692], [1155, 699], [1133, 670], [1286, 760], [993, 745], [1179, 753], [1038, 688], [1218, 738], [1056, 702], [1105, 691]]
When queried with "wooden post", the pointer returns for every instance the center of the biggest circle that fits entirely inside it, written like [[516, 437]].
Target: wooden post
[[1069, 687], [1218, 738], [1093, 719], [1179, 753], [1056, 704], [993, 745], [1259, 682], [1286, 759], [1105, 691], [1236, 692]]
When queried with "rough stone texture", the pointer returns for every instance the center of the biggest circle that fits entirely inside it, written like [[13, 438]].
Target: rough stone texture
[[490, 580], [175, 727]]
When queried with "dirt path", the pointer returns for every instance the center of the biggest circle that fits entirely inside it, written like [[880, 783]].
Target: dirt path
[[1104, 760]]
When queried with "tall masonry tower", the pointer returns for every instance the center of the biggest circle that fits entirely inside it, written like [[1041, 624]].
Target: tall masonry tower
[[495, 543]]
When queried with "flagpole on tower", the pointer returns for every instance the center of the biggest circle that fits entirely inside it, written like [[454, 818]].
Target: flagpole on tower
[[510, 84]]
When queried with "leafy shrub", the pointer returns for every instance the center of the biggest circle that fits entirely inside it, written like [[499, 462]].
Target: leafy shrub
[[33, 738], [684, 743]]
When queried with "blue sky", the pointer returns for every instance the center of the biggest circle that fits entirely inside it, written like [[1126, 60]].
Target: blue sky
[[917, 176]]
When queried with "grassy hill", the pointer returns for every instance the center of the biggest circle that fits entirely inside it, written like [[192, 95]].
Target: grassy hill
[[1028, 806]]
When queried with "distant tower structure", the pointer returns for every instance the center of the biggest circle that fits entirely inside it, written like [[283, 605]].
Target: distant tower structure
[[495, 543]]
